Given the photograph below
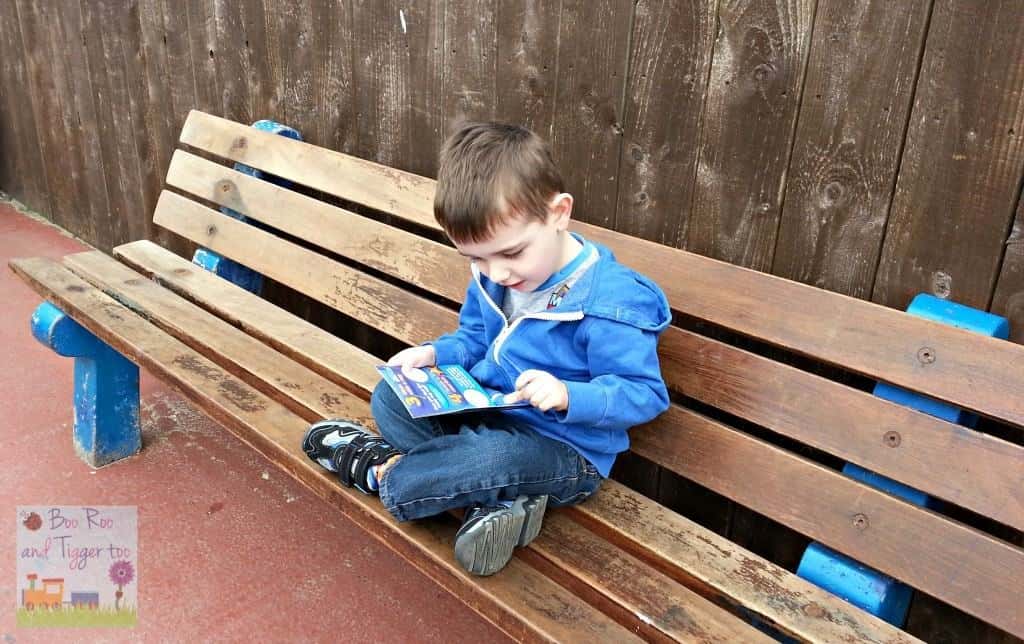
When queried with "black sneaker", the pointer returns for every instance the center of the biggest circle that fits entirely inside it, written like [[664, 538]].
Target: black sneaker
[[484, 543]]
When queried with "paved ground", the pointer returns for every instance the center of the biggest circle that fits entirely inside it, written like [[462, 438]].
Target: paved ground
[[229, 547]]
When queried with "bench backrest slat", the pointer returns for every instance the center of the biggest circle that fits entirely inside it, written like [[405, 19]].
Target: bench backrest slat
[[346, 289], [854, 334]]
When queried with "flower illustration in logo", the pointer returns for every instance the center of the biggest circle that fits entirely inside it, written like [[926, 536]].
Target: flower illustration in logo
[[121, 573], [33, 521]]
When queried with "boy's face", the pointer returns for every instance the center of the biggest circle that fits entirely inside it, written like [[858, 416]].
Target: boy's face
[[523, 253]]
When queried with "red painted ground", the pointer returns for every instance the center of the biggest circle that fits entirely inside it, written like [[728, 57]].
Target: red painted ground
[[229, 547]]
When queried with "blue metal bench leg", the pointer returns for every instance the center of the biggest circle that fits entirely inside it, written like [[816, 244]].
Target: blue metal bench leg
[[865, 587], [231, 270], [106, 388]]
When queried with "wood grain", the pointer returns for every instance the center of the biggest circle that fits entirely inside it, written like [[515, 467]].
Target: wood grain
[[670, 54], [962, 566], [749, 117], [345, 289], [961, 171], [853, 117]]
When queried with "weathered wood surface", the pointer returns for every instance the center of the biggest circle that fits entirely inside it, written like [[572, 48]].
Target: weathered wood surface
[[294, 337], [637, 524], [960, 176], [979, 472], [962, 566], [1009, 297], [749, 116], [410, 257], [540, 609], [348, 290], [672, 46], [857, 96]]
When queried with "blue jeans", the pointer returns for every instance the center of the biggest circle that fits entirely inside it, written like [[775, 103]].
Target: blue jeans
[[472, 458]]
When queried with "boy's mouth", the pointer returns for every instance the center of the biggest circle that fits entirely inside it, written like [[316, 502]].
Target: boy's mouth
[[517, 285]]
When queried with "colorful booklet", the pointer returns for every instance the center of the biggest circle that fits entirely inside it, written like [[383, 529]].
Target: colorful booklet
[[444, 389]]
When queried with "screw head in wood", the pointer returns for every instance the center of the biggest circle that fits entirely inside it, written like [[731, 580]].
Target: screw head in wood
[[926, 355]]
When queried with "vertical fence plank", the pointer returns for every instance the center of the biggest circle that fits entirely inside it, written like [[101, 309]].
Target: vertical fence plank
[[471, 47], [1009, 295], [671, 54], [526, 57], [110, 98], [151, 90], [593, 50], [961, 169], [232, 61], [422, 25], [202, 43], [34, 191], [42, 70], [853, 118], [95, 204], [748, 125]]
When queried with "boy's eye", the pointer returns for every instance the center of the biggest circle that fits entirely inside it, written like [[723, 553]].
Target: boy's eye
[[513, 254]]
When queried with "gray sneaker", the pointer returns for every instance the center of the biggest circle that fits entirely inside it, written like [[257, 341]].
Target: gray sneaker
[[484, 543]]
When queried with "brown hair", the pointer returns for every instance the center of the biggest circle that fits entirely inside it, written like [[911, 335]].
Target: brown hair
[[488, 172]]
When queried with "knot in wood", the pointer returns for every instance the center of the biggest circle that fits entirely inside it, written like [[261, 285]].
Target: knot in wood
[[225, 186], [892, 439], [860, 521], [211, 230], [926, 355], [240, 143]]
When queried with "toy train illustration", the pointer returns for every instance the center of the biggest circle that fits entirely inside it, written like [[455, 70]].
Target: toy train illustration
[[51, 595]]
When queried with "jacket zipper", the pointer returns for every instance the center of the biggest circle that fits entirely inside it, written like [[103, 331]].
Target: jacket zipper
[[507, 330]]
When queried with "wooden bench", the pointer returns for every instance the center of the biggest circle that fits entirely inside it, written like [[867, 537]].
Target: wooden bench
[[620, 566]]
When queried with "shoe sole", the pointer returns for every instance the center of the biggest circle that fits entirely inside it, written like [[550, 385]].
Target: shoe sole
[[487, 547]]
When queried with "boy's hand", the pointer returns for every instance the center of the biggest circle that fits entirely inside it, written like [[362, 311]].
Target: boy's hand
[[421, 356], [541, 389]]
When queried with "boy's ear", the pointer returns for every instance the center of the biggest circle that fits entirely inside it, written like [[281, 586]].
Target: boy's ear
[[560, 207]]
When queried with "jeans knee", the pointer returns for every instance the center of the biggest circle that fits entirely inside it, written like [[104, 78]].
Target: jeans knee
[[382, 400]]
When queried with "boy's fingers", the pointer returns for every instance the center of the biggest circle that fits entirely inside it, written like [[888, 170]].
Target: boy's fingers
[[525, 378]]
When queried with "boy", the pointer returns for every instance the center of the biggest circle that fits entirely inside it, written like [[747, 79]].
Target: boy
[[549, 316]]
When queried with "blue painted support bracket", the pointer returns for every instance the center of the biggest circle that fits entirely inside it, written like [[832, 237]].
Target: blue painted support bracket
[[865, 587], [106, 388], [230, 270]]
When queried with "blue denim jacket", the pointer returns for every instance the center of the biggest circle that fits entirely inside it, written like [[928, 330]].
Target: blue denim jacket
[[601, 341]]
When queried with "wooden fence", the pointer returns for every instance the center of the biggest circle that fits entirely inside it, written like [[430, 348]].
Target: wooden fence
[[870, 147]]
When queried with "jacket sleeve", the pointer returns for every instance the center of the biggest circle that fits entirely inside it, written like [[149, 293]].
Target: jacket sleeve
[[629, 389], [466, 345]]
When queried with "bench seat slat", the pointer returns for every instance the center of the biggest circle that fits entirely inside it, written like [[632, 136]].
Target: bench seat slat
[[853, 334], [983, 474], [802, 610], [979, 574], [675, 610], [521, 601], [283, 380]]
